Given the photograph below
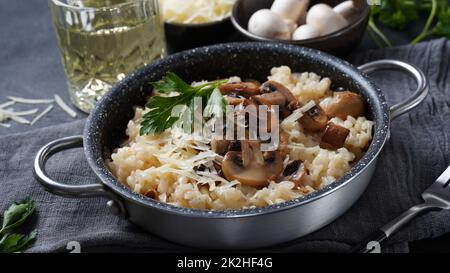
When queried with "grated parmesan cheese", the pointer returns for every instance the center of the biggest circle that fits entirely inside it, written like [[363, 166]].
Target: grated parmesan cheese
[[22, 113], [38, 117], [8, 114], [30, 101], [17, 116], [196, 11], [65, 107], [6, 104]]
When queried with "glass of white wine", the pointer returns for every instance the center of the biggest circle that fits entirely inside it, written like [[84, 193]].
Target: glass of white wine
[[102, 41]]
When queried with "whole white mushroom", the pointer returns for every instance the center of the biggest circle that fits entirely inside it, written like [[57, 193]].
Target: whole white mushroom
[[291, 9], [325, 19], [291, 25], [347, 9], [304, 32], [268, 24]]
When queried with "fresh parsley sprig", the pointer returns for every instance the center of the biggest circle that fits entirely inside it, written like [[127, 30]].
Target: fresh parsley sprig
[[398, 14], [13, 217], [159, 117]]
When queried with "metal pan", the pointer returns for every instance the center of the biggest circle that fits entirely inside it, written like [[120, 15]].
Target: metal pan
[[231, 229]]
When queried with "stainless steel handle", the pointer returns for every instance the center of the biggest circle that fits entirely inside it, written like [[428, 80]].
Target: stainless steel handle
[[419, 94], [382, 234], [114, 203]]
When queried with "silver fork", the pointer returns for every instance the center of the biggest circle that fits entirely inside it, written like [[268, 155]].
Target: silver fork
[[436, 197]]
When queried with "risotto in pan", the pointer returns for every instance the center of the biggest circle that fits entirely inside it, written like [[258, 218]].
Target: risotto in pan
[[322, 133]]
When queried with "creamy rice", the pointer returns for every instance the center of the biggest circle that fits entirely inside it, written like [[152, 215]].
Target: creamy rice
[[165, 163]]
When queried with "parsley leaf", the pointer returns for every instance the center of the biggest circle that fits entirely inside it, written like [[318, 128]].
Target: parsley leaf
[[166, 111], [397, 13], [216, 104], [442, 28], [13, 217], [15, 242], [16, 214], [171, 83]]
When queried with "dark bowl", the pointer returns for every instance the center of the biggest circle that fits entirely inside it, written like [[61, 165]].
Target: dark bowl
[[187, 36], [338, 43]]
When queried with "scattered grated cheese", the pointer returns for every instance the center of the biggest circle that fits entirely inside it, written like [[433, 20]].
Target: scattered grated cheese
[[22, 113], [308, 106], [17, 116], [6, 114], [38, 117], [30, 101], [65, 107], [196, 11], [20, 119], [6, 104]]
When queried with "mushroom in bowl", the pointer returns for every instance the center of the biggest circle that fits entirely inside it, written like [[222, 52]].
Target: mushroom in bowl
[[333, 26]]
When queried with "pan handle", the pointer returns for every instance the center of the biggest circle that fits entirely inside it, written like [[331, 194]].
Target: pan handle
[[419, 94], [114, 204]]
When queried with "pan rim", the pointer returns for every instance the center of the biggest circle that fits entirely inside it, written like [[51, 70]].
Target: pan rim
[[96, 162]]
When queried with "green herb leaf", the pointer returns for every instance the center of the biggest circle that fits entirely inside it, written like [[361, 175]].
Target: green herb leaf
[[16, 214], [442, 27], [397, 13], [161, 115], [171, 83], [216, 104], [160, 118], [16, 242]]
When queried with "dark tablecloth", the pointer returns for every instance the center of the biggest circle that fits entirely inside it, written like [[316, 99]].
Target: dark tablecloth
[[418, 151]]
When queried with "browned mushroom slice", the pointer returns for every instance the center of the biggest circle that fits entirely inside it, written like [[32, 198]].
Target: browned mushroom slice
[[284, 142], [234, 100], [334, 137], [296, 172], [245, 89], [275, 98], [273, 86], [250, 167], [345, 104], [314, 119], [219, 146], [235, 145], [294, 105], [152, 193]]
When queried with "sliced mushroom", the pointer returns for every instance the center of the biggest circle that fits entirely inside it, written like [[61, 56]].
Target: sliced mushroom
[[345, 104], [334, 137], [245, 89], [274, 98], [296, 172], [234, 100], [234, 146], [219, 146], [284, 142], [313, 120], [273, 86], [152, 193], [294, 105], [251, 167]]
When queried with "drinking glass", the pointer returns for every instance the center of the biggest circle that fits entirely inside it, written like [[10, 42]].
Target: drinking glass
[[101, 41]]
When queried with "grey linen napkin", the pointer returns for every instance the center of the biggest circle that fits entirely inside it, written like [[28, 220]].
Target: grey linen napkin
[[417, 152]]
